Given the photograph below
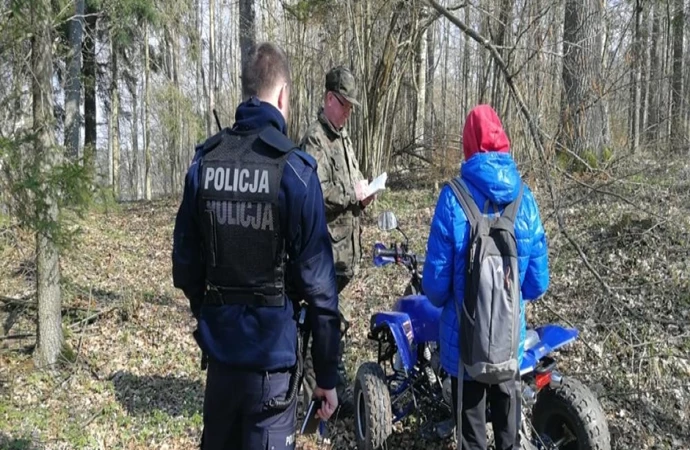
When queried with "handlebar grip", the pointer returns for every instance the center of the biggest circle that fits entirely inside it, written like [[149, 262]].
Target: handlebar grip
[[385, 252]]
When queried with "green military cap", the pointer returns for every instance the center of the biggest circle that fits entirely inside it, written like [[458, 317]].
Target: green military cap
[[339, 79]]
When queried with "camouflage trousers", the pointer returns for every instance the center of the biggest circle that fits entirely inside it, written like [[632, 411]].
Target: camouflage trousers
[[344, 306], [344, 303]]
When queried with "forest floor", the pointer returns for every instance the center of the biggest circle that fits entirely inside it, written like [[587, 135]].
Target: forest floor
[[133, 380]]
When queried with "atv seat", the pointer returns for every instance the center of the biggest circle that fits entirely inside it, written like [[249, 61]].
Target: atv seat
[[531, 339]]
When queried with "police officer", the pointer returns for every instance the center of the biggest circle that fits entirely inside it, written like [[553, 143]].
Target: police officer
[[252, 220], [328, 141]]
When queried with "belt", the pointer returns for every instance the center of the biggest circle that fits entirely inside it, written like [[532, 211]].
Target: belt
[[218, 297]]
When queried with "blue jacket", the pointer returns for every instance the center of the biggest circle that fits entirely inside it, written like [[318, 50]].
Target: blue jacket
[[264, 339], [494, 176]]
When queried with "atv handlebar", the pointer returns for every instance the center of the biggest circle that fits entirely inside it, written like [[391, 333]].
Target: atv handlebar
[[397, 253], [385, 252]]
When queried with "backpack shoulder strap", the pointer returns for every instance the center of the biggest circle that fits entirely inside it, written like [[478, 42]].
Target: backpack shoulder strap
[[510, 212], [465, 198]]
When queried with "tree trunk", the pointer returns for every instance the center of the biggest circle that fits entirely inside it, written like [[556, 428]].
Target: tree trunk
[[233, 60], [220, 55], [429, 94], [444, 90], [136, 160], [667, 89], [247, 30], [49, 339], [652, 132], [466, 69], [73, 88], [211, 68], [582, 110], [147, 101], [179, 148], [485, 63], [114, 125], [644, 69], [677, 123], [89, 80], [420, 85], [198, 99], [635, 84], [504, 24]]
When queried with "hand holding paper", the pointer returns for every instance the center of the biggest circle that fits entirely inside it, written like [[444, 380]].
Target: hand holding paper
[[360, 189]]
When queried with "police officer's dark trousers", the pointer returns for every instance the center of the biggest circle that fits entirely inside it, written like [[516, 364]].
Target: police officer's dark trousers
[[504, 402], [235, 415]]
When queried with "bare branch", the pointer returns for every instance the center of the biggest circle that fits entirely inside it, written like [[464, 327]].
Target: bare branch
[[16, 336]]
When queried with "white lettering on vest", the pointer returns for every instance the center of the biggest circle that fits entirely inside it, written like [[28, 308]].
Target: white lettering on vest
[[209, 176], [244, 174], [263, 184], [237, 180], [219, 178], [234, 178]]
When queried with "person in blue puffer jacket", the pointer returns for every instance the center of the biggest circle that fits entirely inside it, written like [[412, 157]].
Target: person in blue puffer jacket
[[490, 173]]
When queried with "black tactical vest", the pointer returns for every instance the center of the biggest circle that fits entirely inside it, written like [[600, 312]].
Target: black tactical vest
[[238, 204]]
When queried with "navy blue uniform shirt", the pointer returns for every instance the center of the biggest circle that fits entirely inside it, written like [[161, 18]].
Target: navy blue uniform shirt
[[255, 338]]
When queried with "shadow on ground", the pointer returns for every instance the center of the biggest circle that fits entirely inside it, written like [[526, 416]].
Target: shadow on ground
[[142, 395], [88, 293], [161, 299]]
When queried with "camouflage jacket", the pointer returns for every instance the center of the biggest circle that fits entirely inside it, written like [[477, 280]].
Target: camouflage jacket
[[338, 172]]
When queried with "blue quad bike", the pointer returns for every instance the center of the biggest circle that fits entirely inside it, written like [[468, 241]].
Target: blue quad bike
[[407, 379]]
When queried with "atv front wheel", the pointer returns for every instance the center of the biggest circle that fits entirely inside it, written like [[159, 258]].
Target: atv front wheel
[[570, 417], [373, 414]]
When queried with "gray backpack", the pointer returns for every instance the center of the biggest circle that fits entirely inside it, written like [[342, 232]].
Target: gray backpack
[[490, 316]]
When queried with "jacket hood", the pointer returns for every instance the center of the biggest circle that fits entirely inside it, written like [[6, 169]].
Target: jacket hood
[[483, 133], [488, 164], [495, 175]]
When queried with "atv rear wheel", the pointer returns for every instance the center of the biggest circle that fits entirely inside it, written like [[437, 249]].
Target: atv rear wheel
[[373, 415], [570, 417]]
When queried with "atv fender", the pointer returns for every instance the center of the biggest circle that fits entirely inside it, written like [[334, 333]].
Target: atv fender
[[551, 338], [400, 327]]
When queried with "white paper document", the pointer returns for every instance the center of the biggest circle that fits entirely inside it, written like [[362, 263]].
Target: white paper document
[[377, 185]]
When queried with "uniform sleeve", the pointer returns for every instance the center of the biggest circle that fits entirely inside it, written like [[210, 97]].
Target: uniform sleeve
[[437, 277], [313, 275], [187, 258], [337, 195], [537, 276]]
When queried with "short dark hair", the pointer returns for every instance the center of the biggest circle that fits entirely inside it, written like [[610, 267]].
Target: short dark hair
[[266, 66]]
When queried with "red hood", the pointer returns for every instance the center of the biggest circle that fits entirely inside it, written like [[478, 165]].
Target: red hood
[[483, 132]]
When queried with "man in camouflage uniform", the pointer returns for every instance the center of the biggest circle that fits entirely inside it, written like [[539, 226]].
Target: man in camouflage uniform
[[328, 142]]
